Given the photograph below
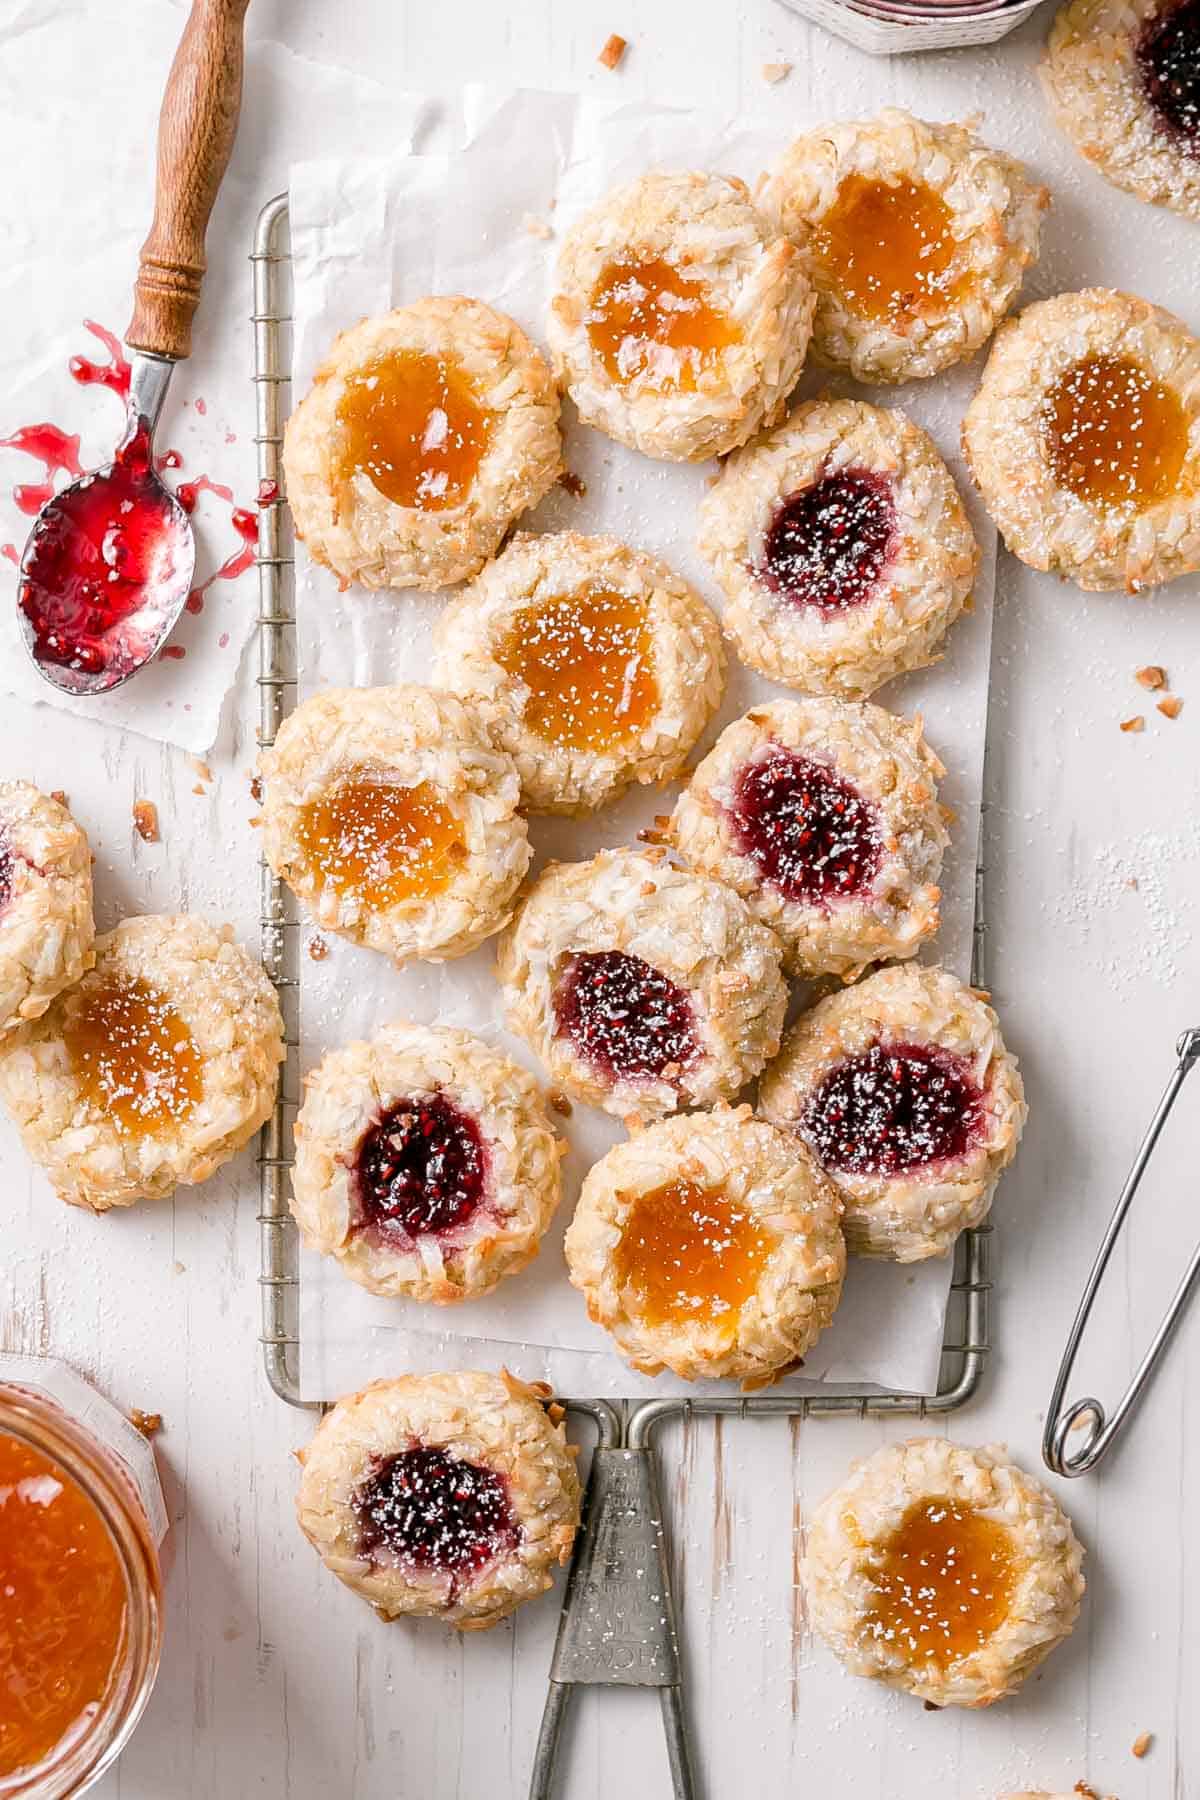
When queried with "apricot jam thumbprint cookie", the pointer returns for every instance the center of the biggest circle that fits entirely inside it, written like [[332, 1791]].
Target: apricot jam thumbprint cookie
[[904, 1092], [425, 435], [680, 317], [1084, 439], [918, 236], [842, 546], [152, 1070], [823, 815], [425, 1163], [1123, 81], [641, 986], [393, 817], [46, 928], [708, 1246], [943, 1571], [449, 1496], [602, 665]]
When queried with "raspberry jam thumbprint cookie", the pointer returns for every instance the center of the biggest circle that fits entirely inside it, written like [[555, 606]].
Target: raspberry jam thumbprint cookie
[[823, 815], [1123, 81], [603, 667], [642, 987], [842, 546], [680, 317], [904, 1092], [711, 1246], [449, 1496], [46, 928], [152, 1070], [1084, 439], [425, 435], [392, 816], [943, 1571], [425, 1163], [918, 236]]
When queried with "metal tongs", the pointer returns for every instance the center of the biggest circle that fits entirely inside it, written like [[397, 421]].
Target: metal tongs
[[1096, 1429]]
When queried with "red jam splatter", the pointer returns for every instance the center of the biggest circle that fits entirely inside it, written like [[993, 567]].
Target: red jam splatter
[[625, 1018], [10, 553], [1168, 59], [58, 454], [435, 1512], [115, 373], [829, 544], [268, 493], [897, 1109], [201, 406], [244, 522], [811, 835], [421, 1169], [102, 568], [170, 459]]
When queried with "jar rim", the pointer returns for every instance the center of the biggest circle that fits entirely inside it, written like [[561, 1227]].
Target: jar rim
[[37, 1420]]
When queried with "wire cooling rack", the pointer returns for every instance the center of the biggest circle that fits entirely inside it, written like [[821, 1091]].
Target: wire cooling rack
[[617, 1625]]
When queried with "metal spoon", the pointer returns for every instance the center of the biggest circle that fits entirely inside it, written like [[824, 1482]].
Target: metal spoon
[[108, 565]]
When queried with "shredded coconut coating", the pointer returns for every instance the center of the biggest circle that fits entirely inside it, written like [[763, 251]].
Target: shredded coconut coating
[[1004, 439], [995, 208], [906, 1217], [352, 528], [707, 227], [851, 1528], [686, 656], [404, 736], [899, 626], [758, 1169], [224, 998], [492, 1421], [886, 759], [46, 928], [352, 1088], [1091, 79], [697, 932]]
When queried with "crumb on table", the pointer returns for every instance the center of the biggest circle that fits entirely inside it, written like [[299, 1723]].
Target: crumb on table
[[1137, 723], [613, 51], [1152, 676], [145, 821], [148, 1423], [1170, 706], [778, 71]]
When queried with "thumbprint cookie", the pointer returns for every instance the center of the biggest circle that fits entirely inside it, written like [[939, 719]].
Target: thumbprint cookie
[[425, 435], [904, 1092], [393, 817], [1084, 439], [708, 1246], [603, 665], [46, 928], [823, 815], [152, 1070], [680, 317], [842, 546], [943, 1571], [1123, 81], [425, 1163], [918, 236], [449, 1496], [642, 987]]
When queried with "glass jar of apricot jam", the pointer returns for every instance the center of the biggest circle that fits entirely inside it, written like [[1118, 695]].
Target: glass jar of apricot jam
[[81, 1515]]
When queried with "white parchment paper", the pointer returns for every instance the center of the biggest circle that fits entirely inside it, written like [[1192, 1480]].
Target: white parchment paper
[[369, 235]]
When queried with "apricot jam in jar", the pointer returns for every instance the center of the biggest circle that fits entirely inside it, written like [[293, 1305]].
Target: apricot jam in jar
[[81, 1513]]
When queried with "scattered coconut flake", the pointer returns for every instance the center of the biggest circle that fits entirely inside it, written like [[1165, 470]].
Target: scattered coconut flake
[[145, 821], [148, 1423], [535, 227], [1137, 723], [613, 51], [1142, 1743], [1152, 676], [318, 949], [59, 794], [774, 72], [1170, 706]]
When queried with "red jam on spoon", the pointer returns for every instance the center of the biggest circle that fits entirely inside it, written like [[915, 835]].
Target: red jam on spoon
[[104, 570]]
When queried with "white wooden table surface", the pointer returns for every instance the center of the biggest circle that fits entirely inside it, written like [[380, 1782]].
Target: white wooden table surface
[[278, 1682]]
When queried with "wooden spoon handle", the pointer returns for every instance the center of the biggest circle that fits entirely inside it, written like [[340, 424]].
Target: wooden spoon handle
[[196, 129]]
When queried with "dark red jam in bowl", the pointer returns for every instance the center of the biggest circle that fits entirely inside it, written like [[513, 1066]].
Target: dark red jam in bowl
[[427, 1508], [624, 1018], [895, 1110], [104, 568], [1168, 59], [810, 833], [829, 545], [421, 1169]]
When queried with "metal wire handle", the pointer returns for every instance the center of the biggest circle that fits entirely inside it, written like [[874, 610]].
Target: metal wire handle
[[1099, 1429]]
